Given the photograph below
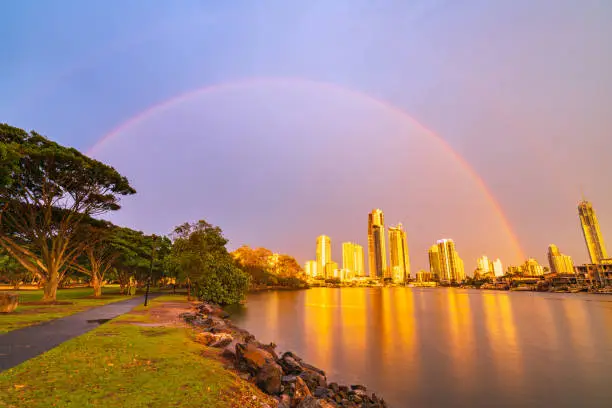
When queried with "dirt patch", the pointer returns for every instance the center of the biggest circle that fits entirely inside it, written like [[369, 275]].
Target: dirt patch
[[153, 333], [161, 315]]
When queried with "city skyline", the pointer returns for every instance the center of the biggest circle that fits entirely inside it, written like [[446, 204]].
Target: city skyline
[[444, 259]]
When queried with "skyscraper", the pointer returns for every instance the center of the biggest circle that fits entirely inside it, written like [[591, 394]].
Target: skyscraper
[[484, 265], [352, 258], [434, 262], [310, 268], [498, 268], [592, 233], [323, 253], [451, 265], [399, 260], [376, 245], [531, 267], [559, 263], [331, 270]]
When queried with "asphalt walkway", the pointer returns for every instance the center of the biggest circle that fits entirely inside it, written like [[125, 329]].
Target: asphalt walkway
[[20, 345]]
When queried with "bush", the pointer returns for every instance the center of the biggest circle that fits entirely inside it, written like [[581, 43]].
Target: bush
[[223, 283]]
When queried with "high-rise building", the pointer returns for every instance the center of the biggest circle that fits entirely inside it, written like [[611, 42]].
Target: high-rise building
[[559, 263], [498, 268], [484, 265], [592, 234], [434, 262], [331, 270], [377, 255], [323, 253], [531, 267], [451, 265], [310, 268], [352, 258], [399, 260]]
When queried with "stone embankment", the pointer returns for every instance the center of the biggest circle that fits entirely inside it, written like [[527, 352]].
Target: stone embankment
[[293, 382]]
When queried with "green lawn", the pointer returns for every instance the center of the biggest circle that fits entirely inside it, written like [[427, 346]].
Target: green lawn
[[80, 299], [122, 364]]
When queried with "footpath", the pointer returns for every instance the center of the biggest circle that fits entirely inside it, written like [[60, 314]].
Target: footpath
[[20, 345]]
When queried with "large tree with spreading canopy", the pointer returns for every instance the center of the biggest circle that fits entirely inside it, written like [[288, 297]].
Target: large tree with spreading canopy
[[46, 192]]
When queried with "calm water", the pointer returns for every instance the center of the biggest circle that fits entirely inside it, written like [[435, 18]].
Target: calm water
[[447, 347]]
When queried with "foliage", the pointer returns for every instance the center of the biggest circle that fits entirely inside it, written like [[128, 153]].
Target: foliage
[[199, 257], [46, 190], [266, 269], [11, 271]]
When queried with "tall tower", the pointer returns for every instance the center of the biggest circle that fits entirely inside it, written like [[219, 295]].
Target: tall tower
[[451, 265], [352, 258], [434, 261], [323, 253], [376, 245], [559, 263], [399, 260], [592, 233]]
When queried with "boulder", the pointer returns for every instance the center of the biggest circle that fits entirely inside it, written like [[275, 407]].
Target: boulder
[[307, 366], [284, 402], [205, 338], [268, 378], [229, 351], [313, 379], [8, 302], [188, 317], [320, 392], [253, 357], [358, 387], [222, 340], [290, 365], [301, 391], [309, 402]]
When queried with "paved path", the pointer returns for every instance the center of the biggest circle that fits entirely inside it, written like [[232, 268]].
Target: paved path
[[20, 345]]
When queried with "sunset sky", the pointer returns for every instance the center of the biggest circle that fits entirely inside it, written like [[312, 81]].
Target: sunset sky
[[298, 118]]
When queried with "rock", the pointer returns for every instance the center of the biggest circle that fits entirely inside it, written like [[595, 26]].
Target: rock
[[357, 399], [254, 358], [268, 379], [343, 388], [313, 379], [245, 376], [270, 348], [290, 365], [8, 302], [301, 391], [284, 402], [188, 317], [309, 402], [292, 355], [229, 351], [307, 366], [205, 338], [222, 340], [358, 387], [288, 378], [334, 387], [320, 392], [326, 404]]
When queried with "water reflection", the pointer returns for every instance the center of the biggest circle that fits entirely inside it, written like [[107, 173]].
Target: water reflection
[[447, 347]]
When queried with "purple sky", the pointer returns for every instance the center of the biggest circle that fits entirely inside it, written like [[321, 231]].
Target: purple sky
[[520, 89]]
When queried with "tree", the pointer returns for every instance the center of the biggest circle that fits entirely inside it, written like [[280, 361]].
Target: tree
[[11, 271], [199, 257], [46, 191], [98, 255]]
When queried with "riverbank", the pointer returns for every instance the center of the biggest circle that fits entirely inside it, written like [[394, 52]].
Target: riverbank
[[147, 357], [288, 378]]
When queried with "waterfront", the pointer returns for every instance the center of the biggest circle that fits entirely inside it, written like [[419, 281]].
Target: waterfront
[[423, 347]]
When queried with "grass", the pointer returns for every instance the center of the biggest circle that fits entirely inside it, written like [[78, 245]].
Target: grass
[[122, 364], [80, 299]]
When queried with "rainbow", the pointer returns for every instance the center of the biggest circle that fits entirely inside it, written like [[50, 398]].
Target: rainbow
[[168, 103]]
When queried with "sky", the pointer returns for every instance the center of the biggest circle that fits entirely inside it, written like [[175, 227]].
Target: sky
[[311, 114]]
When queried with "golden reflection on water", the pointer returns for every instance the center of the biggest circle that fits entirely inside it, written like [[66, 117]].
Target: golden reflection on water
[[319, 323], [580, 329], [354, 326], [405, 322], [461, 330], [501, 332]]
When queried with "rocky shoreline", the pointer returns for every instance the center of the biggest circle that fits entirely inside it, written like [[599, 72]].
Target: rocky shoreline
[[293, 382]]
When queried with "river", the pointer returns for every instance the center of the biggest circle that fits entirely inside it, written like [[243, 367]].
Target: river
[[443, 347]]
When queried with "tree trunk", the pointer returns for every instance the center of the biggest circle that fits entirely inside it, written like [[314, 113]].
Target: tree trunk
[[50, 289], [97, 286], [188, 290]]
